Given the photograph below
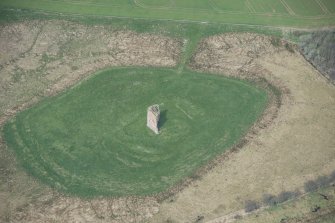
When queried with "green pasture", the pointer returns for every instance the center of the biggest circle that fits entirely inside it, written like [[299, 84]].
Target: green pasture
[[230, 6], [93, 140], [293, 13], [305, 7], [330, 5], [266, 6]]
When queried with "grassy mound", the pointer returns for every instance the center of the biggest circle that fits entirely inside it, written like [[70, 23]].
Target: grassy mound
[[93, 139]]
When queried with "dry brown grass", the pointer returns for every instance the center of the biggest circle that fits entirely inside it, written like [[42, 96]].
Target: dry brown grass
[[298, 145], [46, 56], [41, 58]]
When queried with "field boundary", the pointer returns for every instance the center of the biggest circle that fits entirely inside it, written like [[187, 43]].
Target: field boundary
[[230, 216], [76, 15]]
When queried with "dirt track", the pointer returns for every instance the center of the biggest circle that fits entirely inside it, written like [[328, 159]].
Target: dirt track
[[56, 54]]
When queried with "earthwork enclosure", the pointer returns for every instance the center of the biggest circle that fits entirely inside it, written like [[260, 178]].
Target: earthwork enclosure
[[93, 139]]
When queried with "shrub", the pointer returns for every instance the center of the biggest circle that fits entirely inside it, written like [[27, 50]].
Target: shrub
[[237, 217], [316, 208], [275, 41], [251, 206], [195, 176], [310, 186], [284, 220], [289, 48], [200, 218], [332, 177], [287, 195], [322, 181], [169, 220], [269, 199]]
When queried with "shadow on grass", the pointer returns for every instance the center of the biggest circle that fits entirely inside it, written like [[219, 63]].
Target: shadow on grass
[[162, 119]]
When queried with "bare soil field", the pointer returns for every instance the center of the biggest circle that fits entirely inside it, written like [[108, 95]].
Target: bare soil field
[[45, 57], [42, 58]]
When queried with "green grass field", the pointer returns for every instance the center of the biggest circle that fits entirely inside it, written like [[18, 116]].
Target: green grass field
[[293, 13], [330, 5], [305, 7], [93, 140]]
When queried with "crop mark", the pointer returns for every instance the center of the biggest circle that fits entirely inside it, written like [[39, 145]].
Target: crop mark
[[183, 111], [142, 5], [86, 3], [287, 7], [249, 6], [322, 6], [214, 6]]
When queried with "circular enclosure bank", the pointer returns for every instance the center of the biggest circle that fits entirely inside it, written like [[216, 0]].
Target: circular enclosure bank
[[93, 139]]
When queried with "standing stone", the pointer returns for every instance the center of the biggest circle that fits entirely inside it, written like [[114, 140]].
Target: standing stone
[[153, 116]]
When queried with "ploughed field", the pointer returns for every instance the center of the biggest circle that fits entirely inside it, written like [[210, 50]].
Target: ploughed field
[[93, 140]]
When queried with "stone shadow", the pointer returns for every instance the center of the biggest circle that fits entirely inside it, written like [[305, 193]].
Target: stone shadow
[[162, 119]]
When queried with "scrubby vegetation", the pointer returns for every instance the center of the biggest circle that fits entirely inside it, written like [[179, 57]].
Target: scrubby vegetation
[[319, 49], [287, 195], [320, 182], [251, 206]]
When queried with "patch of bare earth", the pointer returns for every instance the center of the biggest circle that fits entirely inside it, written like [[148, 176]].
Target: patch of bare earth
[[296, 146], [41, 58]]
